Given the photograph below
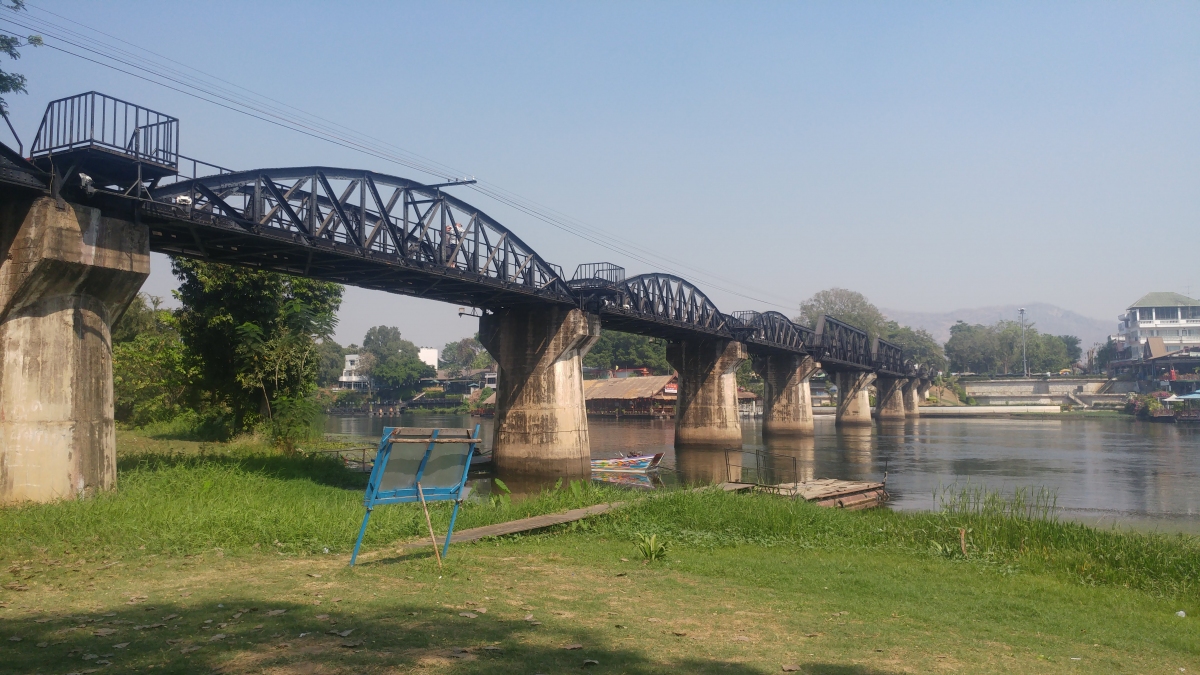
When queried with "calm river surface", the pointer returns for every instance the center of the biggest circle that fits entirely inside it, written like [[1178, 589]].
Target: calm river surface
[[1104, 471]]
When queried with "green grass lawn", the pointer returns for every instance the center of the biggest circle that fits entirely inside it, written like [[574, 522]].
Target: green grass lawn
[[185, 568]]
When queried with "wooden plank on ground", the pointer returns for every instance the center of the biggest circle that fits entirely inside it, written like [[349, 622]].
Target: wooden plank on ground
[[515, 526]]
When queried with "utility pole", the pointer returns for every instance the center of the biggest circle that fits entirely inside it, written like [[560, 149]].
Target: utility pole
[[1024, 361]]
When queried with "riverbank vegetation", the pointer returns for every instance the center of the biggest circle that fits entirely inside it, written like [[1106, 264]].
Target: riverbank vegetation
[[206, 531]]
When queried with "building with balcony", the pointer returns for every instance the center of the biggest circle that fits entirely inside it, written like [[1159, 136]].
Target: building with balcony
[[351, 378], [1157, 324]]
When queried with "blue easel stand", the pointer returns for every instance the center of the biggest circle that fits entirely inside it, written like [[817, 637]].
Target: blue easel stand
[[374, 495]]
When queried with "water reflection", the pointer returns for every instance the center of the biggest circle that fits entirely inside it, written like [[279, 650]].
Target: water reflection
[[1104, 471]]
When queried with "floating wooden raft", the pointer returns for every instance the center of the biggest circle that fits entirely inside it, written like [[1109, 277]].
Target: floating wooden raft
[[831, 492]]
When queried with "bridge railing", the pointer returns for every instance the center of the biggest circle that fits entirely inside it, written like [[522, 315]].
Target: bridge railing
[[889, 358], [95, 120]]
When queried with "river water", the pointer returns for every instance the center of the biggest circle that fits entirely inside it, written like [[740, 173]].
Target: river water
[[1103, 471]]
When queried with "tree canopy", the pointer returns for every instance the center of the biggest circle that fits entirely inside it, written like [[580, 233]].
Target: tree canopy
[[252, 335], [996, 349], [845, 305], [615, 349]]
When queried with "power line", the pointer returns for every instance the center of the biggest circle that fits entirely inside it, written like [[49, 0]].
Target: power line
[[271, 114]]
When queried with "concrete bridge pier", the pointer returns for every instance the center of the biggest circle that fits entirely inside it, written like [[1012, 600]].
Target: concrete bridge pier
[[541, 422], [787, 400], [923, 387], [67, 273], [889, 398], [706, 409], [854, 401], [912, 401]]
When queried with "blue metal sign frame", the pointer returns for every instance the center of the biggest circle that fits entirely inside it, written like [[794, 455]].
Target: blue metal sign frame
[[375, 496]]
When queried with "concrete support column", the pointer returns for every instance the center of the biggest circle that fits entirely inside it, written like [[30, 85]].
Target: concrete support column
[[889, 398], [911, 398], [541, 421], [706, 409], [923, 387], [66, 276], [787, 399], [854, 402]]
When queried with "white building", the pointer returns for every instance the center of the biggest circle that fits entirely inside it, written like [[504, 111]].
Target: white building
[[351, 379], [429, 356], [1170, 317]]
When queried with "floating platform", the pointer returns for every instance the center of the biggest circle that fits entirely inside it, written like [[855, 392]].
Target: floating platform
[[831, 492]]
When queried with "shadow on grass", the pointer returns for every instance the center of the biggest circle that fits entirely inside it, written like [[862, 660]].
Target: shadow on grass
[[321, 469], [244, 636]]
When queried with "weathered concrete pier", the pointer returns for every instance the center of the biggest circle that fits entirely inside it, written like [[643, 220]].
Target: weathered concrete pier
[[706, 409], [787, 399], [67, 273], [541, 420]]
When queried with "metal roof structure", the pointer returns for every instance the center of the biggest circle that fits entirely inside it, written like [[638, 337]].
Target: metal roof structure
[[1165, 299], [626, 388]]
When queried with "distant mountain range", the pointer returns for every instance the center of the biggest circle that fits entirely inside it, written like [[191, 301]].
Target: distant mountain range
[[1046, 318]]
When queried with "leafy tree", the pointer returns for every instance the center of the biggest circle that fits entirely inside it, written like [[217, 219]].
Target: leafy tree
[[385, 341], [917, 344], [252, 334], [283, 365], [615, 349], [399, 376], [971, 348], [844, 305], [463, 354], [997, 349], [10, 45], [1074, 351], [152, 381], [331, 361], [1106, 354], [141, 316]]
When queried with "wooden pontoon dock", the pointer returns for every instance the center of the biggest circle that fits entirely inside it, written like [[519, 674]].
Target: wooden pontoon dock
[[831, 492]]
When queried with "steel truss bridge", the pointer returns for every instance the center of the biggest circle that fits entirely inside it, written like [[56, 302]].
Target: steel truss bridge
[[378, 231]]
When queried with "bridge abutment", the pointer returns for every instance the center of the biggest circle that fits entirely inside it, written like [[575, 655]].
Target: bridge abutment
[[787, 400], [66, 276], [889, 398], [541, 421], [854, 401], [706, 408]]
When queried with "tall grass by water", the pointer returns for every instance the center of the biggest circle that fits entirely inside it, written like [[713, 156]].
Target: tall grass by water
[[1008, 533], [245, 499]]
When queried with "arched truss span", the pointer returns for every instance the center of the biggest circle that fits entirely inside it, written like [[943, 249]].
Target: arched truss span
[[357, 227], [842, 346], [660, 305], [774, 330], [889, 360]]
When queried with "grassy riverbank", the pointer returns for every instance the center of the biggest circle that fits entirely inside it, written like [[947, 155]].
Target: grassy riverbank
[[229, 533]]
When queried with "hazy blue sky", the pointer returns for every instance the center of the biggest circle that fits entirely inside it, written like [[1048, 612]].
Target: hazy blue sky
[[930, 155]]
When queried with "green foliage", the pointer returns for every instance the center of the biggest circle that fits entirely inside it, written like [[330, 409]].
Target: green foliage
[[152, 380], [252, 335], [650, 547], [844, 305], [917, 344], [10, 45], [615, 349], [384, 342], [294, 420], [997, 349], [331, 361], [465, 354], [1106, 353], [399, 376]]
